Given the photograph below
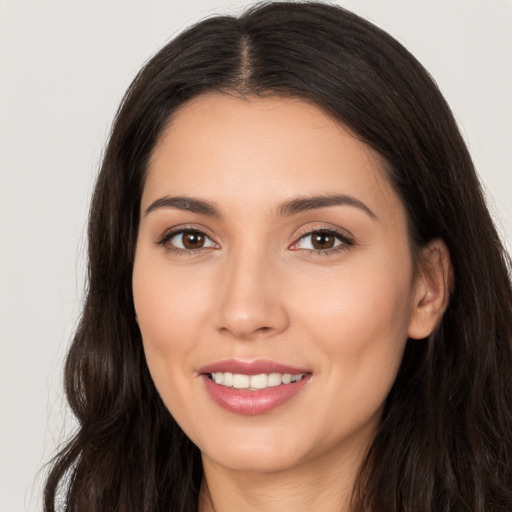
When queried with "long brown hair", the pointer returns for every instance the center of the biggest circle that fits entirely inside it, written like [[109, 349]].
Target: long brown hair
[[445, 440]]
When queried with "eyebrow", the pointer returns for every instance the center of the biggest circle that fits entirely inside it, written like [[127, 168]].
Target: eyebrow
[[312, 203], [301, 204], [185, 203]]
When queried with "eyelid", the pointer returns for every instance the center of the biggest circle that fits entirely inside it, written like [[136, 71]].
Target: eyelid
[[343, 236], [164, 239]]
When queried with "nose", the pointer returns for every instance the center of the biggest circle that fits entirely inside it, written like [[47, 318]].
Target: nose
[[250, 301]]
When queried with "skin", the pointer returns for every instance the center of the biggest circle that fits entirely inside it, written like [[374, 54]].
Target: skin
[[258, 289]]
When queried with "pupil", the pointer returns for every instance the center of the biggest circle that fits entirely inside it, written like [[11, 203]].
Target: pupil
[[323, 241], [193, 240]]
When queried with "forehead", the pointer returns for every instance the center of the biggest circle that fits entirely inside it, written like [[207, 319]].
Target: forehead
[[262, 150]]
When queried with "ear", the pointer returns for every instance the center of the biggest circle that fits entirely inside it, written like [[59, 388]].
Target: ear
[[434, 281]]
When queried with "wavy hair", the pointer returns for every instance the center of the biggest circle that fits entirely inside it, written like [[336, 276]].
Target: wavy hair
[[445, 439]]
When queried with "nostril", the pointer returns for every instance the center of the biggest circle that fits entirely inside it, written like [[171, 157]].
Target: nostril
[[250, 315]]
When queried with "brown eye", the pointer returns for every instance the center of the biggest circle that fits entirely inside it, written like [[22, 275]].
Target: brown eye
[[190, 240], [323, 240]]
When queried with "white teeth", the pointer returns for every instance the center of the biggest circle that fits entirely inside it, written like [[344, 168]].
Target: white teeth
[[274, 379], [228, 379], [260, 381], [240, 381]]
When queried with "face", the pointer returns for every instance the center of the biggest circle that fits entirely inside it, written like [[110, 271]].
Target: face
[[273, 282]]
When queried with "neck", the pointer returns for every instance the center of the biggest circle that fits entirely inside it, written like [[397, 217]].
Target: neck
[[317, 485]]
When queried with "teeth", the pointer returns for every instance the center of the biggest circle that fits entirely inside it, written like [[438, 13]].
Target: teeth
[[240, 381], [258, 381], [261, 381], [228, 379], [274, 379]]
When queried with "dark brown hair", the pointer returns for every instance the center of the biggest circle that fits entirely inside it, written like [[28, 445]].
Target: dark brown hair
[[445, 440]]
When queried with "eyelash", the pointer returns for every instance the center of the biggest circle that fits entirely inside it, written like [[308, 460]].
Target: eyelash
[[345, 241], [164, 241]]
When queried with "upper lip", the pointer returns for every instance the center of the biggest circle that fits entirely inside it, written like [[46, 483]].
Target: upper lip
[[251, 367]]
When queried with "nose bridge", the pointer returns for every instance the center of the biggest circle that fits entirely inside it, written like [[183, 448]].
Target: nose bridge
[[250, 302]]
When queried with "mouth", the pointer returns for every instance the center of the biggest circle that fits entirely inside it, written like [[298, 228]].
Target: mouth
[[253, 387], [254, 382]]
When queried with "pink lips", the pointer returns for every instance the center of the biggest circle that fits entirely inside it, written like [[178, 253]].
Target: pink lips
[[243, 401], [251, 367]]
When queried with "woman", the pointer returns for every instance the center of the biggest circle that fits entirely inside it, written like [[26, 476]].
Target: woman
[[297, 297]]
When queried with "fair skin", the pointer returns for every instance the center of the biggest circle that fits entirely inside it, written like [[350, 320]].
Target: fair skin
[[247, 269]]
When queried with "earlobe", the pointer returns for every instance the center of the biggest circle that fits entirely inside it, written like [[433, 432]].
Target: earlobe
[[434, 282]]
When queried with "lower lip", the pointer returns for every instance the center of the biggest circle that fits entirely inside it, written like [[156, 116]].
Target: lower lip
[[244, 401]]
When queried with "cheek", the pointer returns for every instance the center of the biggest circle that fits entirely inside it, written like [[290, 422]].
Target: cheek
[[359, 326], [374, 288], [166, 320], [168, 307], [360, 321], [168, 304]]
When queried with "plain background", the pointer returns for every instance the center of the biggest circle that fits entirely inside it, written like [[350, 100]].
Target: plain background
[[63, 69]]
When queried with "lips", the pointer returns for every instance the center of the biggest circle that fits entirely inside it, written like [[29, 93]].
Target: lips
[[251, 367], [252, 387]]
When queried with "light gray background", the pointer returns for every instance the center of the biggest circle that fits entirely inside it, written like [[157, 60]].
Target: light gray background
[[63, 69]]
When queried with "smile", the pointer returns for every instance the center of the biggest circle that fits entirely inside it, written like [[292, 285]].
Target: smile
[[253, 387], [254, 382]]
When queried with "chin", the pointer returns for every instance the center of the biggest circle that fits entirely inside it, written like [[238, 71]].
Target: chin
[[256, 460]]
